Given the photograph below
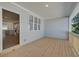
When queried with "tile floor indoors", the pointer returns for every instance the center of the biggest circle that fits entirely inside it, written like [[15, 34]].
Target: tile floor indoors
[[45, 47]]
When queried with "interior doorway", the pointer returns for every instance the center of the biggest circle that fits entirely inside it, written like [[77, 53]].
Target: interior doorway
[[11, 28]]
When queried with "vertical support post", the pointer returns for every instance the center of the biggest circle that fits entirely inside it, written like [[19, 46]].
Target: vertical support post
[[1, 40]]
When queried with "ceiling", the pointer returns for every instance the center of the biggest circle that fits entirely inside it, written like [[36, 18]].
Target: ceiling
[[54, 9]]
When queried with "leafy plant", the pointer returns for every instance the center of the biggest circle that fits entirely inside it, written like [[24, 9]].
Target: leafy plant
[[75, 24]]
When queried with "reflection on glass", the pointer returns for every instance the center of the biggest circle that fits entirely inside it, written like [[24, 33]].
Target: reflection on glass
[[10, 28]]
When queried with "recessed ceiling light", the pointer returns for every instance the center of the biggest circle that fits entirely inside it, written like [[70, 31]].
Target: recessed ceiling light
[[46, 5]]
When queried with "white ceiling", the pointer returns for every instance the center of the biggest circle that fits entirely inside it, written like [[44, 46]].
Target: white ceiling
[[54, 10]]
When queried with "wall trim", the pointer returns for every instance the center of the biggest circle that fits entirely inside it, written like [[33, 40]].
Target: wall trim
[[25, 9]]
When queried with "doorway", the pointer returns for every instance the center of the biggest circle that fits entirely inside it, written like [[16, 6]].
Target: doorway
[[11, 28]]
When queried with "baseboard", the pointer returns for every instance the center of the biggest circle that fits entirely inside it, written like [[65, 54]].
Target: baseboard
[[55, 38], [31, 41]]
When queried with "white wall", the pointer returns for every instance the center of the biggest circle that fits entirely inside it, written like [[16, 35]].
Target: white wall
[[57, 28], [26, 35]]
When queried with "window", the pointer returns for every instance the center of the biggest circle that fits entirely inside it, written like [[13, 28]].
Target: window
[[31, 22], [75, 24], [38, 24], [34, 23]]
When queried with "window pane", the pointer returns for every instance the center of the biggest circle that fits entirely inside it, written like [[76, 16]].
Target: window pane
[[30, 19], [38, 27], [38, 21], [31, 22], [35, 26], [35, 20], [31, 26]]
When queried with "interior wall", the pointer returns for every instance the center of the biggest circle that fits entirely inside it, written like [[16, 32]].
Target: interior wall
[[26, 35], [57, 28]]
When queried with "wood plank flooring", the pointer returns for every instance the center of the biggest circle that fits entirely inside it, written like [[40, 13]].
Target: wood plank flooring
[[45, 47]]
